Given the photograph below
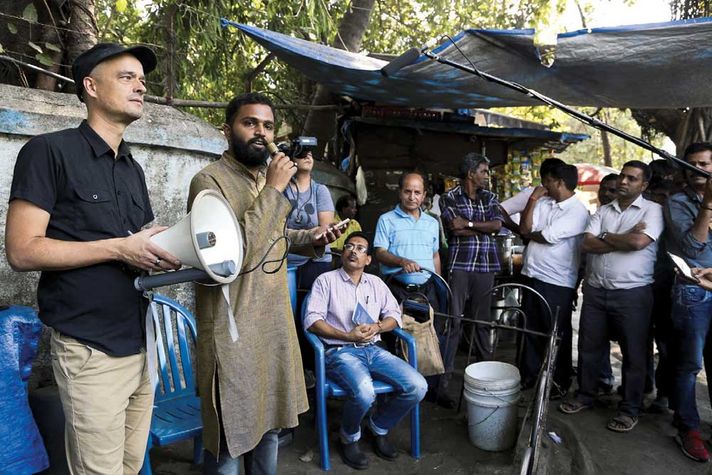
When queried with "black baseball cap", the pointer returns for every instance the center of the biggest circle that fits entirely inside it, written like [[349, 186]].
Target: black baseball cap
[[87, 61]]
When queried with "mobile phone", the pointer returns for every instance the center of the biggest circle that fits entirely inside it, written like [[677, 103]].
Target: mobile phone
[[682, 267], [339, 225]]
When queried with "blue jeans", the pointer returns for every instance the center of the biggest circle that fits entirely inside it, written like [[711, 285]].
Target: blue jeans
[[262, 460], [352, 367], [691, 315]]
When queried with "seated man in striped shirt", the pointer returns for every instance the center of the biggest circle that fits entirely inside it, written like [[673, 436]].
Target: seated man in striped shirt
[[349, 309]]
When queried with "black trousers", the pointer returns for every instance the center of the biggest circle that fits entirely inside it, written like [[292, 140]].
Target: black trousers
[[537, 319], [471, 298], [661, 332], [626, 314]]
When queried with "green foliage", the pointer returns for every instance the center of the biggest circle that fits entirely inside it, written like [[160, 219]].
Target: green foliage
[[30, 13], [684, 9], [398, 25], [591, 151], [44, 59], [35, 47], [211, 63]]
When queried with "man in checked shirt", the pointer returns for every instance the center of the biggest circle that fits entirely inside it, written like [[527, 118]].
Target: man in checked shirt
[[471, 213]]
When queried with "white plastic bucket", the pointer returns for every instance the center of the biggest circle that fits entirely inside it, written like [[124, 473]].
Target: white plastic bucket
[[492, 393]]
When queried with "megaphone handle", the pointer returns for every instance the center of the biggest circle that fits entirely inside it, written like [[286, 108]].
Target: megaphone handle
[[148, 282]]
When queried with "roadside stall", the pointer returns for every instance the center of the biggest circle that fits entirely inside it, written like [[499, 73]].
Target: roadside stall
[[387, 141], [656, 66]]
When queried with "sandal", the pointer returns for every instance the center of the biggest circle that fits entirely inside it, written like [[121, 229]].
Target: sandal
[[622, 423], [573, 406]]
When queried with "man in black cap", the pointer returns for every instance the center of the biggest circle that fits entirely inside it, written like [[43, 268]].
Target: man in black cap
[[78, 204]]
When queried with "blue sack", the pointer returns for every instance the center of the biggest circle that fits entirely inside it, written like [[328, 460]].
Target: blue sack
[[21, 448]]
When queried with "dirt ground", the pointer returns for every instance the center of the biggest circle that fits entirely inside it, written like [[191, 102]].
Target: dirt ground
[[586, 446], [445, 447]]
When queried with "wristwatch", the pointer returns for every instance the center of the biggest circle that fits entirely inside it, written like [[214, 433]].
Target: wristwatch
[[603, 235], [470, 224]]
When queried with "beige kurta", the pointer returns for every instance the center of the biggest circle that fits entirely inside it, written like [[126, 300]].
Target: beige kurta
[[260, 375]]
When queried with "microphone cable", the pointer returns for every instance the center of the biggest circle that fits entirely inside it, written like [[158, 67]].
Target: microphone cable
[[288, 242]]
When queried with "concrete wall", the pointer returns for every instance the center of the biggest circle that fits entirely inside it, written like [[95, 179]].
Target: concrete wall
[[170, 145]]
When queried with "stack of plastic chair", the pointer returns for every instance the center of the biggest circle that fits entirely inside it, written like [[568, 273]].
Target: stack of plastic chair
[[176, 413]]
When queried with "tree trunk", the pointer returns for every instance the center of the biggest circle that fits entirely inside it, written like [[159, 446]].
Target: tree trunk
[[50, 34], [682, 126], [82, 29], [350, 34], [606, 143]]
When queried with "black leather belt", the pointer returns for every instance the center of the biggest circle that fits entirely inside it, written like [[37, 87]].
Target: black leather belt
[[412, 287]]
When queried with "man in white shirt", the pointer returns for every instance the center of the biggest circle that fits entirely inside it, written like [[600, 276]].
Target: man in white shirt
[[514, 206], [621, 241], [554, 221]]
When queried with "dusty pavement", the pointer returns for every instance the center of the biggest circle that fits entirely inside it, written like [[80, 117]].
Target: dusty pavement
[[445, 449], [587, 447]]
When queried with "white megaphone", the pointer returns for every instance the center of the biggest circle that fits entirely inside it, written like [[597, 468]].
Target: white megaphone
[[209, 240]]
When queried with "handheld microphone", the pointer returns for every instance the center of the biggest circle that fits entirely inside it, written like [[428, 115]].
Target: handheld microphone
[[405, 59], [272, 148]]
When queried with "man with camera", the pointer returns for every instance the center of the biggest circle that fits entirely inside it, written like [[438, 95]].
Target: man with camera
[[252, 387], [311, 206]]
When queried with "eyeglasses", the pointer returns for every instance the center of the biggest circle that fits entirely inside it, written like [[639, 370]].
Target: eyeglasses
[[354, 248]]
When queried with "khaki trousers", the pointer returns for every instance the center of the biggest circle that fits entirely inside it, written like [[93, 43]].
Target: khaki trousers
[[107, 404]]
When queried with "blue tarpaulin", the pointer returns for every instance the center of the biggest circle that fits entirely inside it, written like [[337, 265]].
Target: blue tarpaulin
[[661, 65], [21, 448]]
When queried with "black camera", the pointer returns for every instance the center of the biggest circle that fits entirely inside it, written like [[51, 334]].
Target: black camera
[[299, 147]]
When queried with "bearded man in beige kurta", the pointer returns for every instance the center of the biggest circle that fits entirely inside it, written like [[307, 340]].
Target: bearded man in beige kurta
[[251, 387]]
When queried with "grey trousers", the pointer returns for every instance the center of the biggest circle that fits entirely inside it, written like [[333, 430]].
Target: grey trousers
[[468, 299]]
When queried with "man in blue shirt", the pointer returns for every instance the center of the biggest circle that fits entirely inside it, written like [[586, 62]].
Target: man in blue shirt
[[688, 216], [406, 243], [406, 239]]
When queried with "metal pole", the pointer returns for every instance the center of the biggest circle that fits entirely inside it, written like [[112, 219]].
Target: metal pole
[[587, 119]]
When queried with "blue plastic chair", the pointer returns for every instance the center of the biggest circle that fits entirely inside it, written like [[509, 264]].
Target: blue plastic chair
[[327, 388], [176, 412]]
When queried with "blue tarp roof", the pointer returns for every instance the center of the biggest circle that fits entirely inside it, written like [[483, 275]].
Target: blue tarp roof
[[661, 65]]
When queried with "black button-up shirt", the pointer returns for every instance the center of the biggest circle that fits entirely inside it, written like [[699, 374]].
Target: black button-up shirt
[[90, 195]]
